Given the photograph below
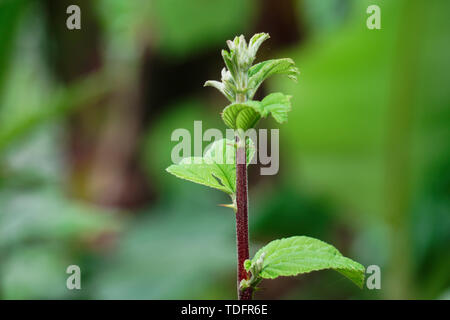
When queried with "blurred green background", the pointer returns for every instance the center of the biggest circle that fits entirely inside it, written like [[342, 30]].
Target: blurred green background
[[85, 124]]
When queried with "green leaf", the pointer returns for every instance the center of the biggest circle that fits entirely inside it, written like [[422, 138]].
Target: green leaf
[[255, 42], [197, 170], [245, 115], [276, 104], [300, 254], [247, 264], [217, 169], [261, 71], [240, 116], [221, 87]]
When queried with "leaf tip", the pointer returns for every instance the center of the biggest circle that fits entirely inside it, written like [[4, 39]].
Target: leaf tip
[[231, 206]]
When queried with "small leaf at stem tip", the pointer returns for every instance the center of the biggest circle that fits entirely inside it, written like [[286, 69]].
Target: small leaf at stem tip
[[241, 78], [300, 254], [221, 87], [256, 41], [263, 70]]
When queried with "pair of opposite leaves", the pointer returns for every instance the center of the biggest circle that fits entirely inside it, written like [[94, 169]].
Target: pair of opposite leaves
[[283, 257]]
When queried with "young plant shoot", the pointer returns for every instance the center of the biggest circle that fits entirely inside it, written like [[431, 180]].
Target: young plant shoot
[[224, 167]]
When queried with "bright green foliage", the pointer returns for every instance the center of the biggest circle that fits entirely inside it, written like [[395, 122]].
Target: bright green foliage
[[276, 104], [245, 115], [238, 62], [240, 116], [300, 254], [261, 71], [217, 169], [240, 81]]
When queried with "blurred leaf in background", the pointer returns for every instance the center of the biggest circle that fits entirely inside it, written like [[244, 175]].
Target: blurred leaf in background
[[369, 121], [182, 249], [41, 234], [42, 230], [31, 96]]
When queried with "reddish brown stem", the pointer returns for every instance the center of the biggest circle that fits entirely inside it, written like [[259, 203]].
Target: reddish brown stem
[[242, 219]]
